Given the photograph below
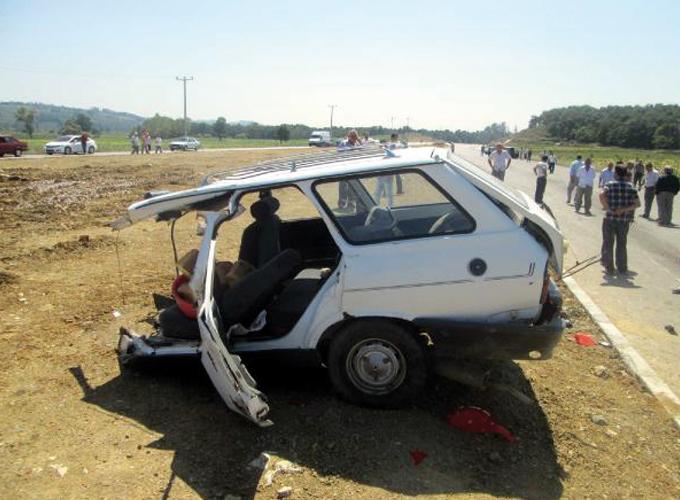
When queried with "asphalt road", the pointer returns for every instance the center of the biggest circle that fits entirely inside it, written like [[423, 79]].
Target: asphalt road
[[640, 306], [167, 151]]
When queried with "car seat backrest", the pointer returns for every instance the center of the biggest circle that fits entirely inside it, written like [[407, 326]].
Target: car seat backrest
[[260, 241], [242, 303]]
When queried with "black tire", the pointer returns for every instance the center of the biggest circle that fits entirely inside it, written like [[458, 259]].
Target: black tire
[[50, 153], [377, 348], [67, 150], [90, 150], [17, 152]]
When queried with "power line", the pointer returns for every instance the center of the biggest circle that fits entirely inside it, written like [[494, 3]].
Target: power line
[[332, 106], [184, 80]]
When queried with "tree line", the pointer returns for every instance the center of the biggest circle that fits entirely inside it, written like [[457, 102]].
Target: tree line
[[220, 128], [647, 127], [167, 127]]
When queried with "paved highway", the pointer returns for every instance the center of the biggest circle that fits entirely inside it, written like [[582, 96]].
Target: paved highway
[[640, 306], [167, 151]]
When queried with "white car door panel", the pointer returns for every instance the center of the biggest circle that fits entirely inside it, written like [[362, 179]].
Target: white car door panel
[[432, 276]]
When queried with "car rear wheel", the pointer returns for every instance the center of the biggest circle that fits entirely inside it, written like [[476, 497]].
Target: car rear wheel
[[17, 152], [67, 150], [377, 363], [90, 150]]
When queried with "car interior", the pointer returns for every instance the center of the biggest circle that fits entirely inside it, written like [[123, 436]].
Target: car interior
[[290, 260]]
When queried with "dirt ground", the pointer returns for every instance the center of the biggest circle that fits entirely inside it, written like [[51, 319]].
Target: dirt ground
[[75, 427]]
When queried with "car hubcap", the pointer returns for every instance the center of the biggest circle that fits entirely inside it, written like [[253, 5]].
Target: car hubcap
[[376, 366]]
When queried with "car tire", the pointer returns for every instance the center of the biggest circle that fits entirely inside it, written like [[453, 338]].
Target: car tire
[[67, 150], [50, 153], [17, 152], [90, 150], [377, 363]]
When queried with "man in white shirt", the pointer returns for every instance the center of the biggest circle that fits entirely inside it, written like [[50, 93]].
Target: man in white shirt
[[607, 175], [584, 189], [573, 178], [651, 178], [499, 161]]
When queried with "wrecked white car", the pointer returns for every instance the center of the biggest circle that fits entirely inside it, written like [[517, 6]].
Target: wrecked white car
[[378, 292]]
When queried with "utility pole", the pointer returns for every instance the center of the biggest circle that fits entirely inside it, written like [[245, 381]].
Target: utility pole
[[408, 129], [332, 106], [184, 80], [392, 123]]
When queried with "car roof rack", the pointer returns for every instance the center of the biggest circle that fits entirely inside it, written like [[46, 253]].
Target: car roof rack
[[294, 163]]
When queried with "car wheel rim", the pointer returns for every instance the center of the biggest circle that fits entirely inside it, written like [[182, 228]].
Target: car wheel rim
[[376, 366]]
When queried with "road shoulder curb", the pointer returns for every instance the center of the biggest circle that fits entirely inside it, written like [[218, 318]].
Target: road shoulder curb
[[631, 357]]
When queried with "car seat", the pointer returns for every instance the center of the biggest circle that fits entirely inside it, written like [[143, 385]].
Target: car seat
[[244, 301], [260, 241]]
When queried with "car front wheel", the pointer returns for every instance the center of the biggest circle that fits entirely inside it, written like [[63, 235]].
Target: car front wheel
[[90, 150], [17, 152], [377, 363], [67, 150]]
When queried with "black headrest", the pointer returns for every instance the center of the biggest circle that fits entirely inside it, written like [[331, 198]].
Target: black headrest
[[264, 208]]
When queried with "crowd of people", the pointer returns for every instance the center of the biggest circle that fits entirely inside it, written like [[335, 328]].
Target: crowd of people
[[142, 143], [618, 185]]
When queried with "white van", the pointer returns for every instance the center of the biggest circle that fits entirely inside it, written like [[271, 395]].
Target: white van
[[320, 138]]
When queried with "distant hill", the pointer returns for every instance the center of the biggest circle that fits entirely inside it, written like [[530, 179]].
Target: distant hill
[[50, 118], [654, 126]]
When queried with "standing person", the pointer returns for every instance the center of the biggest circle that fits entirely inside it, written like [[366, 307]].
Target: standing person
[[639, 173], [667, 187], [584, 188], [552, 161], [541, 171], [620, 199], [384, 186], [83, 142], [394, 144], [573, 178], [651, 178], [147, 143], [529, 155], [345, 198], [499, 161], [159, 144], [134, 140], [481, 150], [607, 175]]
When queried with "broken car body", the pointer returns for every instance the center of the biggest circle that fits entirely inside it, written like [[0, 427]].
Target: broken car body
[[456, 268]]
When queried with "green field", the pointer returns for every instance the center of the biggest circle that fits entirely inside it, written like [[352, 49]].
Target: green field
[[120, 142], [601, 155]]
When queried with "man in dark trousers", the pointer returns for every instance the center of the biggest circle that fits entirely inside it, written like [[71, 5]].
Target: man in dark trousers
[[666, 187], [83, 141], [620, 199]]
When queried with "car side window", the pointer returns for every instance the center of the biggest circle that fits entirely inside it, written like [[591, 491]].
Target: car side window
[[391, 206]]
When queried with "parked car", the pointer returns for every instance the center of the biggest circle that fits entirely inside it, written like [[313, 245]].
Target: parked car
[[69, 144], [513, 152], [379, 295], [184, 144], [320, 138], [11, 145]]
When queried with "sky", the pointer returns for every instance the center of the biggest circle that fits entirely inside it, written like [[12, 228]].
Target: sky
[[434, 64]]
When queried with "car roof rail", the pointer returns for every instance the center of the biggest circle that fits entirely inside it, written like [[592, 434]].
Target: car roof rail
[[295, 162]]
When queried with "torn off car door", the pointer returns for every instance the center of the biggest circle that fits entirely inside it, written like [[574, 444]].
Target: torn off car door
[[227, 372]]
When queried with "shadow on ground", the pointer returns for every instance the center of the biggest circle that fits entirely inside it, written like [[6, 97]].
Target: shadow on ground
[[316, 430]]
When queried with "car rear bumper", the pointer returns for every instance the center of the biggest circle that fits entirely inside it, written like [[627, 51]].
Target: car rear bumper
[[514, 340]]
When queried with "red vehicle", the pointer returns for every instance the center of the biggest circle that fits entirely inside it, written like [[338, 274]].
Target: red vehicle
[[11, 145]]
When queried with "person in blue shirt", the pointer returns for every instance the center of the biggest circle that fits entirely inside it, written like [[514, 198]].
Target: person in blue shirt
[[573, 177], [607, 175]]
